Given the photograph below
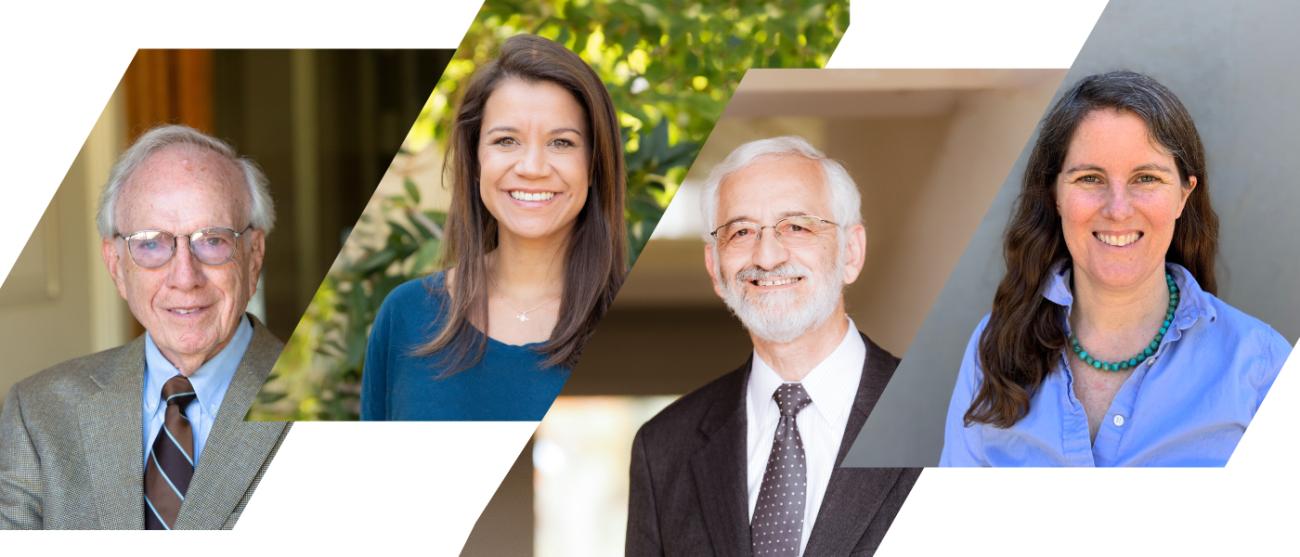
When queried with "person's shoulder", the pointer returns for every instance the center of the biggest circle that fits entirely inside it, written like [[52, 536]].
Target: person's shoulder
[[883, 357], [684, 414], [418, 288], [1243, 327], [878, 367], [416, 295], [263, 338], [1255, 351], [970, 373], [973, 343], [68, 379]]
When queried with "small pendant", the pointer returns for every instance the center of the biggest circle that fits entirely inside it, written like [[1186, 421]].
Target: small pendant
[[522, 317]]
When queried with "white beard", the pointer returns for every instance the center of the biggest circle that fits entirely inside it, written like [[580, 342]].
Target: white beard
[[782, 316]]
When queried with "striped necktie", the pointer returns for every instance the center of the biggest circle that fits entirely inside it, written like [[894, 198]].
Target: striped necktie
[[777, 526], [170, 466]]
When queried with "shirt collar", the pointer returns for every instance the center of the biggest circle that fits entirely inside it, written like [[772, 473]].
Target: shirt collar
[[210, 381], [1193, 302], [832, 384], [1057, 287]]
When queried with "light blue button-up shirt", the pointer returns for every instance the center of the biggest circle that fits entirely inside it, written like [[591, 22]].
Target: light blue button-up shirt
[[210, 383], [1187, 405]]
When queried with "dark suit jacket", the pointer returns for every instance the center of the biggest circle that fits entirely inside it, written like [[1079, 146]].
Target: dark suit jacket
[[688, 493], [71, 454]]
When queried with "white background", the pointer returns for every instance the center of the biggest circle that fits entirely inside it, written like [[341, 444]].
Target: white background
[[345, 488]]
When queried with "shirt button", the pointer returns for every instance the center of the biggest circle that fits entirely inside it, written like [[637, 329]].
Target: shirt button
[[1118, 420]]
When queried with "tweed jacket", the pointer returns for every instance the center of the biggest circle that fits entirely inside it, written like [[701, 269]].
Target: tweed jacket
[[688, 490], [71, 455]]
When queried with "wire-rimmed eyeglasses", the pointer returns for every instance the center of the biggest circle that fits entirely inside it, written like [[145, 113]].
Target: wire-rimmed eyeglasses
[[792, 232], [211, 246]]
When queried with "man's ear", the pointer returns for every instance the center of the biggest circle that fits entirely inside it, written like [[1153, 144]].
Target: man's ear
[[113, 260], [855, 252], [257, 248], [711, 263]]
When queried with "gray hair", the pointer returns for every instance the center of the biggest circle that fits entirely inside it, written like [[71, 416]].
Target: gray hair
[[846, 202], [261, 210]]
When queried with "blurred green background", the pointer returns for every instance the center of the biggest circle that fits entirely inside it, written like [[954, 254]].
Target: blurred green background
[[670, 68]]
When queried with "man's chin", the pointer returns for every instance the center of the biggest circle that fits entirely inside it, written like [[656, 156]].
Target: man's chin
[[770, 324], [775, 337], [781, 321], [189, 344], [769, 302]]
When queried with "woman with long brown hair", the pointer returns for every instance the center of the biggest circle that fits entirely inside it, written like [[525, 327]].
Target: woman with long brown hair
[[535, 248], [1106, 345]]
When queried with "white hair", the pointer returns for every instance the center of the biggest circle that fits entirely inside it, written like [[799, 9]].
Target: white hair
[[846, 202], [261, 210]]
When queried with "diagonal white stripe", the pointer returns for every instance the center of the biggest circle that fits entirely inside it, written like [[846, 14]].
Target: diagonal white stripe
[[158, 465], [155, 513], [178, 445], [186, 393]]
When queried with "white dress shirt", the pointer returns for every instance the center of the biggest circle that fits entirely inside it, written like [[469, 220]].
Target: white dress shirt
[[832, 385]]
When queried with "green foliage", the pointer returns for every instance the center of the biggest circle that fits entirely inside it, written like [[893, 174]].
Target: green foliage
[[318, 374], [670, 68]]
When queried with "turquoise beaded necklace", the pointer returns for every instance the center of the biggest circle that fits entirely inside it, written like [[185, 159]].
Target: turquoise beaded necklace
[[1146, 352]]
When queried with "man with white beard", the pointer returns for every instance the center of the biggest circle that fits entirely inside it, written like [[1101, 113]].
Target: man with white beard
[[748, 464]]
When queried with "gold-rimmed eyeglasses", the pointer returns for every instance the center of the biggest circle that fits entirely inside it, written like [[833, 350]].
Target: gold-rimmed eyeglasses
[[211, 246], [792, 232]]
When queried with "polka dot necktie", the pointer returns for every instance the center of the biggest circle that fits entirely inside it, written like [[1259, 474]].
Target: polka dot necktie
[[170, 466], [777, 526]]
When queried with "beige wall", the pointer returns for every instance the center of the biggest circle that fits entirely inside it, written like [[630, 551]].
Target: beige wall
[[58, 302], [927, 213]]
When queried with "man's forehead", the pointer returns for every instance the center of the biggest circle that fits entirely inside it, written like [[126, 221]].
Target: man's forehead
[[188, 159], [183, 179], [792, 181]]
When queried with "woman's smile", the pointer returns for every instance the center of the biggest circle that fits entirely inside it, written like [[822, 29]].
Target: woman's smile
[[532, 198], [1118, 239]]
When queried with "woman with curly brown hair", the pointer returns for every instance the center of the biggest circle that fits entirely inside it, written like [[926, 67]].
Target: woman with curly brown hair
[[1106, 345]]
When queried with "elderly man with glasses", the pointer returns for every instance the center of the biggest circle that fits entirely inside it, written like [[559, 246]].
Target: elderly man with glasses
[[151, 434], [749, 464]]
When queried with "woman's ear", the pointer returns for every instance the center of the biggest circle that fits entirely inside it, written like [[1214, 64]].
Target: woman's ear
[[1186, 192]]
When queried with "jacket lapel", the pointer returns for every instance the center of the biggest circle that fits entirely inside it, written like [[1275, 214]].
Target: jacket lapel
[[854, 495], [235, 449], [111, 439], [719, 470]]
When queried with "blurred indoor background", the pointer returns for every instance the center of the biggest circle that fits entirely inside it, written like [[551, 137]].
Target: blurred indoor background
[[322, 124], [928, 149]]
